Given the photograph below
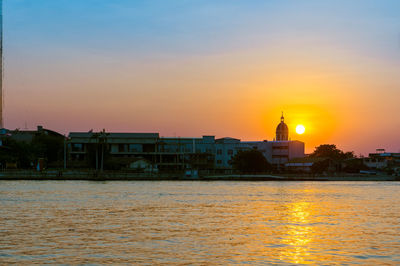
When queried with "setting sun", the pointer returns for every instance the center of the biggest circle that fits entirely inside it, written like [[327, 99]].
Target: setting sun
[[300, 129]]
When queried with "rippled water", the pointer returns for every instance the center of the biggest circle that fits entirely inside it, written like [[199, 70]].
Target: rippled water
[[76, 222]]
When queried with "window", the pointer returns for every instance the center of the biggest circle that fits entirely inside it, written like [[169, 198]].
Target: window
[[280, 147], [76, 157], [219, 162], [77, 147], [132, 148], [121, 147], [219, 151], [148, 148], [279, 156], [230, 152]]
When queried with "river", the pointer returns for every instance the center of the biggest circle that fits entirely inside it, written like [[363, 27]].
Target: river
[[191, 222]]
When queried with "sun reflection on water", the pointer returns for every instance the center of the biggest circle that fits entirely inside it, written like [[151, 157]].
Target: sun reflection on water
[[299, 233]]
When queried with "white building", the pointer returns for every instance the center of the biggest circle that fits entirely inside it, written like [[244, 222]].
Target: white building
[[280, 150]]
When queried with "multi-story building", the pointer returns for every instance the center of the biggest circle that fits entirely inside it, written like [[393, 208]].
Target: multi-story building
[[166, 153], [171, 154], [382, 159], [279, 152], [281, 149], [89, 148]]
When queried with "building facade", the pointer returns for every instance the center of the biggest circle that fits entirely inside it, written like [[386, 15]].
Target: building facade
[[382, 160], [177, 154]]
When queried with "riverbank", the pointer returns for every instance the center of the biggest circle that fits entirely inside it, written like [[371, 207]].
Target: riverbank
[[90, 175]]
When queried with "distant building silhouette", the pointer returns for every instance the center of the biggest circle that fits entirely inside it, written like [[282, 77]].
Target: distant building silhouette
[[382, 159], [28, 135], [282, 131]]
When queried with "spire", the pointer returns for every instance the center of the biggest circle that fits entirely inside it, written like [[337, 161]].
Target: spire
[[282, 131]]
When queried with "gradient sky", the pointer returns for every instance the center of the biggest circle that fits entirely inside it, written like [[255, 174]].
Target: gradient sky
[[196, 67]]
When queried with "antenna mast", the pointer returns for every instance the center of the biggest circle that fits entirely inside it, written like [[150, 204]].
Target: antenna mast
[[1, 65]]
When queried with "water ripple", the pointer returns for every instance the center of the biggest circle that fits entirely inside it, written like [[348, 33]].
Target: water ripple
[[199, 223]]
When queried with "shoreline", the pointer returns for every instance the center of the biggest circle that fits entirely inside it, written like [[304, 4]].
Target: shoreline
[[80, 175]]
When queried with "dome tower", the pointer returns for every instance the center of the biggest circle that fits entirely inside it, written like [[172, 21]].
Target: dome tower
[[282, 131]]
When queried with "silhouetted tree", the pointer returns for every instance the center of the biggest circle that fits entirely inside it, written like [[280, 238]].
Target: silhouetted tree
[[98, 152], [250, 161], [320, 166], [330, 151], [16, 152], [26, 154], [354, 166], [50, 148]]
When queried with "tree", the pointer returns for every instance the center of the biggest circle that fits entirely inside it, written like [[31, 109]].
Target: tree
[[250, 161], [16, 152], [354, 166], [49, 147], [320, 166], [330, 151], [26, 154], [99, 150]]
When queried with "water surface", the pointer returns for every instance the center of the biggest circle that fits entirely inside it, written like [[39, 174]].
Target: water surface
[[75, 222]]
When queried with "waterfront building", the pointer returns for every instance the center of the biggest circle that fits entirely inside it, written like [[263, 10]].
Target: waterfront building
[[382, 159], [27, 148], [28, 135], [91, 149], [278, 153], [176, 154], [305, 165]]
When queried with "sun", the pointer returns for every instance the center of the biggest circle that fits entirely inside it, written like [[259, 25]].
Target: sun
[[300, 129]]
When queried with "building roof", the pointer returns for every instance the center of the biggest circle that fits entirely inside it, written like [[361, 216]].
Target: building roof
[[385, 154], [227, 140], [28, 135], [117, 138], [307, 160], [114, 135], [282, 127]]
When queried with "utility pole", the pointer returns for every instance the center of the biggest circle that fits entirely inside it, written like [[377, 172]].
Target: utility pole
[[97, 153], [95, 137], [1, 64], [102, 154], [65, 152], [103, 142]]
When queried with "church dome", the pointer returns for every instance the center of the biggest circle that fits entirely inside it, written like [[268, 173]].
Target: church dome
[[282, 127], [282, 131]]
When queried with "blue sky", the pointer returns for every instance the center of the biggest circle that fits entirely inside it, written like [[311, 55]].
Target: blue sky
[[192, 26]]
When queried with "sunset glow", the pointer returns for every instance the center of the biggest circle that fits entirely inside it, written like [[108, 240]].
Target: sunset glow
[[225, 69], [183, 132]]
